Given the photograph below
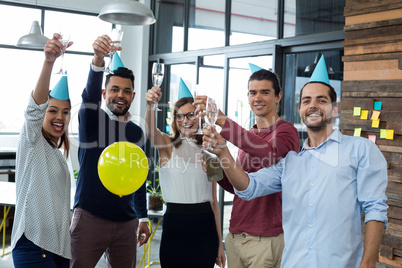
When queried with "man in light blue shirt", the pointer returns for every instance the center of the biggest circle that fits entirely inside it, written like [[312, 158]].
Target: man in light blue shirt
[[325, 188]]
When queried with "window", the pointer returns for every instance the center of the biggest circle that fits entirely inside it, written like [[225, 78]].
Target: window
[[253, 21], [313, 16], [206, 25], [23, 66]]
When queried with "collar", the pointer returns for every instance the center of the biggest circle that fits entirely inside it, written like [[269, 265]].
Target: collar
[[112, 116], [335, 136], [266, 129]]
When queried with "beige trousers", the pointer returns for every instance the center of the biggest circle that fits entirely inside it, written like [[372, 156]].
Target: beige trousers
[[249, 251]]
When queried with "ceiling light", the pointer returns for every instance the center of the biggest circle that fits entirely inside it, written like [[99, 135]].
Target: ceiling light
[[128, 12], [35, 38]]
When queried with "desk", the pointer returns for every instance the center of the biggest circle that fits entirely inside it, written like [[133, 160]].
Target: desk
[[147, 247], [7, 199]]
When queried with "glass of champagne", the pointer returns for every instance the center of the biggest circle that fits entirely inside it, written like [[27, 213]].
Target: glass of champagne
[[158, 70], [117, 36], [199, 91], [64, 40], [212, 111]]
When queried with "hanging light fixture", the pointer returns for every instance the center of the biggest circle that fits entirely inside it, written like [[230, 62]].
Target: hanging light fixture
[[35, 38], [128, 12]]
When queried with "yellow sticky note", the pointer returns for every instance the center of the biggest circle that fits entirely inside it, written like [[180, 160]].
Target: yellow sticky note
[[358, 132], [375, 115], [390, 134], [364, 114], [383, 133], [356, 111], [375, 123]]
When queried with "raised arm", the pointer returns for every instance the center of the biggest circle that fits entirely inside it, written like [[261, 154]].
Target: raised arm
[[158, 139], [236, 175], [52, 52]]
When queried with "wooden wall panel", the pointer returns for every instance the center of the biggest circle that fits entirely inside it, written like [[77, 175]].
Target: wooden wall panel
[[373, 72]]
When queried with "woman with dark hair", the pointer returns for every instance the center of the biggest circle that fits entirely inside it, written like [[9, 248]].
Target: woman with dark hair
[[40, 235], [191, 234]]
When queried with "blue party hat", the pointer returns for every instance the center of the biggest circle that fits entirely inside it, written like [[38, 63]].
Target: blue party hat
[[116, 62], [183, 90], [254, 68], [60, 90], [320, 73]]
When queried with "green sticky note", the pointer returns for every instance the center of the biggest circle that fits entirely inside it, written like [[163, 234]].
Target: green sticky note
[[358, 132], [377, 105], [364, 114], [383, 133], [356, 111], [390, 134]]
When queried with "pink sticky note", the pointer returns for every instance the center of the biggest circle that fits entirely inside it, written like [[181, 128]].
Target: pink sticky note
[[372, 138]]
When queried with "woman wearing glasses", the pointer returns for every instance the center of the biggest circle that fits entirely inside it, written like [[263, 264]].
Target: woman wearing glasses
[[191, 234]]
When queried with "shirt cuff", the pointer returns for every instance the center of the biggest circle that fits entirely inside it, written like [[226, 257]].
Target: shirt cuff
[[97, 68], [143, 220]]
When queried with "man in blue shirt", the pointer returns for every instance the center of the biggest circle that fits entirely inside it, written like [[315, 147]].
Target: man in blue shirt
[[325, 188]]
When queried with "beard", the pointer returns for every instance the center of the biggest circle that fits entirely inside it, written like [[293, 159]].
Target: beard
[[118, 111], [317, 126]]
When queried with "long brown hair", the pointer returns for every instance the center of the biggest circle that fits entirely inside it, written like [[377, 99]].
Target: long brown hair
[[175, 137], [64, 140]]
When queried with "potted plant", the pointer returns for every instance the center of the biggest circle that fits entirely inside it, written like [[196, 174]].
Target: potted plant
[[155, 201]]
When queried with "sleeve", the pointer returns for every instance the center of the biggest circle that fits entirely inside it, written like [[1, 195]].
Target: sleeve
[[140, 196], [264, 182], [140, 202], [286, 139], [372, 182], [93, 91], [34, 116]]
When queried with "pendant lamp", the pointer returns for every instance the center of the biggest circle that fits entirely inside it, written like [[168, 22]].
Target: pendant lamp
[[128, 12], [35, 38]]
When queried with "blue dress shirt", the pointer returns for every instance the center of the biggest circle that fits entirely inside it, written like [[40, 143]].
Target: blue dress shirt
[[325, 189]]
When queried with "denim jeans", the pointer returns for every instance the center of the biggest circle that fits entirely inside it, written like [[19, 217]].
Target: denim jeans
[[28, 255]]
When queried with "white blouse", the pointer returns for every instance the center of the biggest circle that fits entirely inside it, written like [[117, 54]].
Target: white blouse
[[43, 188], [182, 178]]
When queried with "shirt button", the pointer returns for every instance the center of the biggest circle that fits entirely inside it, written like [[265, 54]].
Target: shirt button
[[43, 255], [311, 247], [312, 184], [313, 165], [311, 204], [311, 226], [244, 235]]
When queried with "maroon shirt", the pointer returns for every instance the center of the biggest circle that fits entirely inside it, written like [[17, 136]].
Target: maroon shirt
[[261, 216]]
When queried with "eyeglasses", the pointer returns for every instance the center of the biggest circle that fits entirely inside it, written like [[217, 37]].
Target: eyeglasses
[[189, 115]]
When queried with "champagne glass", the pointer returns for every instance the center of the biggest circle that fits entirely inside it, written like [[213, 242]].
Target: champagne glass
[[199, 91], [158, 70], [116, 35], [212, 111], [64, 40]]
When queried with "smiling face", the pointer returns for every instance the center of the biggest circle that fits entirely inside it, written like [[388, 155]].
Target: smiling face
[[57, 118], [262, 99], [119, 95], [316, 108], [186, 126]]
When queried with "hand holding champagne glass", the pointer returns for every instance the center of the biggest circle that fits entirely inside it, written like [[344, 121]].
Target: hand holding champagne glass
[[117, 36], [158, 70], [64, 40], [212, 112]]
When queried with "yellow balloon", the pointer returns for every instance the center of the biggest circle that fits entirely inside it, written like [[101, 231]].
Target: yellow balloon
[[123, 168]]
